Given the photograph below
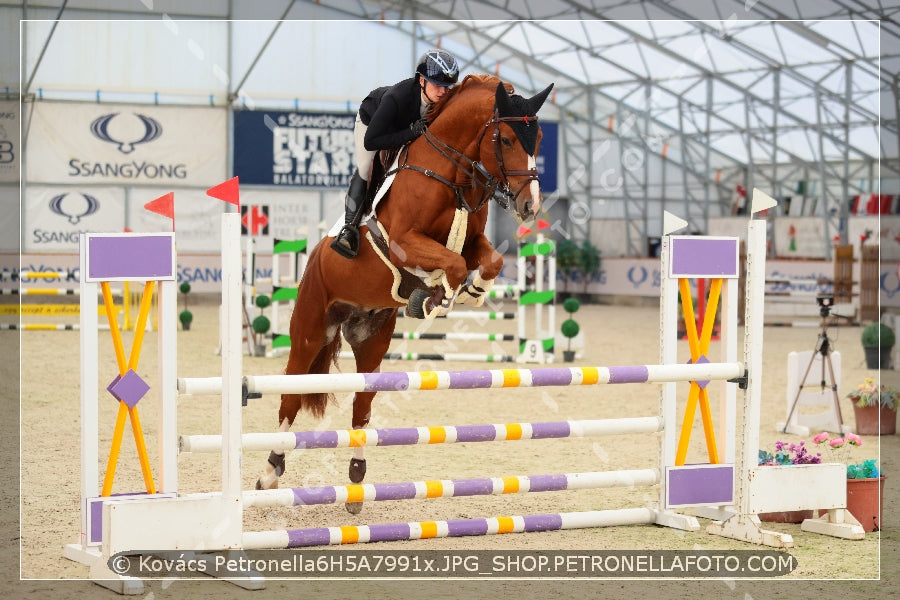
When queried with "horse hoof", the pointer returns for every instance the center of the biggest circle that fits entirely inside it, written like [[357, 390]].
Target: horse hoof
[[416, 306], [357, 470], [354, 508]]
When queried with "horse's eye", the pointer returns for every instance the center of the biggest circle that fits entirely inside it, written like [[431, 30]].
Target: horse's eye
[[506, 142]]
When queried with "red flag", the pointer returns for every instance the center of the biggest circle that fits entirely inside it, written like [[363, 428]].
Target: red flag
[[164, 205], [227, 191], [542, 224], [522, 231]]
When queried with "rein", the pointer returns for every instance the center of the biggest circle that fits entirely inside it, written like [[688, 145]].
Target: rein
[[491, 186]]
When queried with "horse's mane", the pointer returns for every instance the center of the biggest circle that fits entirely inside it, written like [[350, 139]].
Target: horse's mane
[[467, 82]]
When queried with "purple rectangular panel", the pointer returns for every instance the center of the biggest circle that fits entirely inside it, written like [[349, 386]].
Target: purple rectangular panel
[[697, 485], [137, 257], [473, 487], [695, 256]]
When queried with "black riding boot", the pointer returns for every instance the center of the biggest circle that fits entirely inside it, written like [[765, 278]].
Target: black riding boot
[[355, 206]]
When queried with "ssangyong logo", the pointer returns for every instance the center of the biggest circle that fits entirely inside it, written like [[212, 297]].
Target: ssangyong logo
[[152, 130], [74, 206], [126, 133]]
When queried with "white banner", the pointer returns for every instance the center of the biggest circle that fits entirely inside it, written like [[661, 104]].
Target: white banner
[[9, 142], [76, 143], [54, 216]]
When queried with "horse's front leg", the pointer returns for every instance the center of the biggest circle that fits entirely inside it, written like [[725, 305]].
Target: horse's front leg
[[446, 270], [482, 258]]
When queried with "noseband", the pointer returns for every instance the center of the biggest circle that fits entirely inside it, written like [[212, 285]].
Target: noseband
[[498, 189]]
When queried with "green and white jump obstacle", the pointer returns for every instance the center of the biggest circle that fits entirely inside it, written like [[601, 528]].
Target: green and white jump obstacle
[[735, 491]]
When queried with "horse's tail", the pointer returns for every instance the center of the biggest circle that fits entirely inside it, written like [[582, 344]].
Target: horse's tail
[[310, 351]]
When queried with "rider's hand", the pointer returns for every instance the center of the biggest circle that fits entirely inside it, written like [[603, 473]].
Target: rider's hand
[[418, 127]]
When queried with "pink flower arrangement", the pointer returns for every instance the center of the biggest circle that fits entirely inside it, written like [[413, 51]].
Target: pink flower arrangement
[[840, 446]]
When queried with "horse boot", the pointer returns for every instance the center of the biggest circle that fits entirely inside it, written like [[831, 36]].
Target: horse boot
[[346, 243]]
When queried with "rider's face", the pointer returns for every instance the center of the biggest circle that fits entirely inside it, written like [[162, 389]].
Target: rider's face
[[432, 92]]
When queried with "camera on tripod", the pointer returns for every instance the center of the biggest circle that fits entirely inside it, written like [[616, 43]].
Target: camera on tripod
[[825, 303]]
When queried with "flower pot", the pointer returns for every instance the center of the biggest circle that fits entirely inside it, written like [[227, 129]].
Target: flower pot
[[864, 501], [568, 355], [786, 516], [259, 350], [875, 419], [185, 325], [878, 357]]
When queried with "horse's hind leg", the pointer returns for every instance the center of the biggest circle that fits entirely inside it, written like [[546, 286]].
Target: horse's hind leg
[[369, 352]]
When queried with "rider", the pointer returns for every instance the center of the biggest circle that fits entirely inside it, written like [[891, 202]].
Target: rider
[[388, 118]]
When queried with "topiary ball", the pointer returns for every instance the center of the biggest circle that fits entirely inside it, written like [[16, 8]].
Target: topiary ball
[[263, 301], [571, 305], [184, 287], [570, 328], [261, 324]]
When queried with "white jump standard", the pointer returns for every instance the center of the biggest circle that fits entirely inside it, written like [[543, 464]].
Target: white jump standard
[[729, 486]]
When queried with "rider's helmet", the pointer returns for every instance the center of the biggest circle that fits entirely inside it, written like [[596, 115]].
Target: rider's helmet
[[439, 67]]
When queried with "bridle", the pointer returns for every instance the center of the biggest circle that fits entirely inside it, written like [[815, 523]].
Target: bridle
[[497, 188]]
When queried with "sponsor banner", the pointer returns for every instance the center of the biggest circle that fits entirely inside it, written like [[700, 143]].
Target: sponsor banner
[[80, 143], [548, 157], [294, 148], [54, 216], [288, 215], [9, 142]]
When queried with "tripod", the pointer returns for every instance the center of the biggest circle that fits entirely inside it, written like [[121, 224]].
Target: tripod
[[823, 348]]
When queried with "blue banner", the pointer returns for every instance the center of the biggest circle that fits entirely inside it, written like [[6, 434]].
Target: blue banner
[[294, 148], [548, 155]]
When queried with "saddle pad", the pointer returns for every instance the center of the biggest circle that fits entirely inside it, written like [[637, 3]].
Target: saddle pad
[[385, 185]]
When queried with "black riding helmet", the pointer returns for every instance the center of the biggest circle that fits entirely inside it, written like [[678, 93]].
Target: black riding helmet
[[439, 67]]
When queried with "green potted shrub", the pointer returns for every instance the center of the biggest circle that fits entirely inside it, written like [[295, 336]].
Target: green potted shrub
[[569, 327], [185, 316], [877, 341], [261, 325]]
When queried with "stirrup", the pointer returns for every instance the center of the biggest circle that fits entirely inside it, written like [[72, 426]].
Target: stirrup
[[346, 243]]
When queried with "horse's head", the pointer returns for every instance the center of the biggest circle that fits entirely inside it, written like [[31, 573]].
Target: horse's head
[[516, 140]]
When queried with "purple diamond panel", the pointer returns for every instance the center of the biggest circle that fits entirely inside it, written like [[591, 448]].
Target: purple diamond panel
[[128, 388]]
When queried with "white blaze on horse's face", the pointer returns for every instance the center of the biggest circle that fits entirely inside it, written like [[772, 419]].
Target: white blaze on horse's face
[[534, 188]]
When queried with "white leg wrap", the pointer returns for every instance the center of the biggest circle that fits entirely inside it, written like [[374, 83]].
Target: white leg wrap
[[474, 292]]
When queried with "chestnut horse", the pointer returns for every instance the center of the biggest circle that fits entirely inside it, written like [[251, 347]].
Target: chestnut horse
[[480, 144]]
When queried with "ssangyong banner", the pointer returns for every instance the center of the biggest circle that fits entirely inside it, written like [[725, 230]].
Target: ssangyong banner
[[81, 144], [55, 216], [9, 142], [294, 148]]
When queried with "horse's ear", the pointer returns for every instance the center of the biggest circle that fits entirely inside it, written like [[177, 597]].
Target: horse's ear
[[535, 102], [504, 105]]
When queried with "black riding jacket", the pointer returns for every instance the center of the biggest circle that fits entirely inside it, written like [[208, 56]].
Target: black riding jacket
[[388, 111]]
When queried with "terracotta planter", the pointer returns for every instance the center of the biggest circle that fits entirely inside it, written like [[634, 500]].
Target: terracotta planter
[[787, 516], [867, 420], [864, 501]]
